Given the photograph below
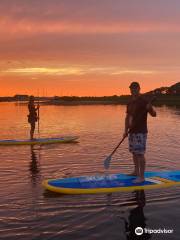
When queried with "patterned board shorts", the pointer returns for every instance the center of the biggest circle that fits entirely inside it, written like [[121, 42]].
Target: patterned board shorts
[[137, 143]]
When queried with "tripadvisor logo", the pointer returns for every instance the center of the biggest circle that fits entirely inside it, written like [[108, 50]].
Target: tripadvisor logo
[[140, 231]]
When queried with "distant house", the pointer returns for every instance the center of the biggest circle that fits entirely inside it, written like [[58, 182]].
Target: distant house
[[159, 91], [18, 97], [174, 89]]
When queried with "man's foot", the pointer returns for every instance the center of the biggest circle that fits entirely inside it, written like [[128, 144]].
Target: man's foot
[[139, 180], [132, 174]]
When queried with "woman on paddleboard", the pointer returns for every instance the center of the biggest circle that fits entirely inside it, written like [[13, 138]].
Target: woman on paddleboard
[[32, 116]]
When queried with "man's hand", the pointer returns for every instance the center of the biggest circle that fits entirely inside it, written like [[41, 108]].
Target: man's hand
[[150, 110], [125, 134]]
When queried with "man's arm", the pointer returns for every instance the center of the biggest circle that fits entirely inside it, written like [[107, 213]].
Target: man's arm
[[151, 110], [128, 123]]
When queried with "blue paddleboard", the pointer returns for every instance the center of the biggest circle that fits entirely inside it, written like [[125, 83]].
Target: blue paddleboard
[[111, 183]]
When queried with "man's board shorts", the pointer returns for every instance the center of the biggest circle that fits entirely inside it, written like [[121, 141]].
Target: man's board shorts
[[137, 143]]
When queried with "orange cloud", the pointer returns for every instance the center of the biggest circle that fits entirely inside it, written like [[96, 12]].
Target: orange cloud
[[73, 47]]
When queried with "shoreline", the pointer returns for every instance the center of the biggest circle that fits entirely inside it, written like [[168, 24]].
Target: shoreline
[[121, 100]]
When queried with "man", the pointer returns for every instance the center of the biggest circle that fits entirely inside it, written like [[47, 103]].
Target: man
[[136, 128]]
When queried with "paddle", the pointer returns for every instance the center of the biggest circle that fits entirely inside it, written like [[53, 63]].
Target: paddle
[[108, 159], [38, 117]]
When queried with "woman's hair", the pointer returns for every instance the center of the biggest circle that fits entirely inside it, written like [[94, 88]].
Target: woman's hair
[[31, 98]]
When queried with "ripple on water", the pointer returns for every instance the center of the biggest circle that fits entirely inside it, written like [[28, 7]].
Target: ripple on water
[[29, 212]]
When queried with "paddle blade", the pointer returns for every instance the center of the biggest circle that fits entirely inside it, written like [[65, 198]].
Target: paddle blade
[[107, 162]]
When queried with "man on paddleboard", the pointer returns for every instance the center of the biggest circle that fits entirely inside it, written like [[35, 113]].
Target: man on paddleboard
[[136, 129], [32, 116]]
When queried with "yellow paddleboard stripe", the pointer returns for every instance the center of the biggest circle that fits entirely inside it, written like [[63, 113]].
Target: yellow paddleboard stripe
[[104, 190], [49, 141]]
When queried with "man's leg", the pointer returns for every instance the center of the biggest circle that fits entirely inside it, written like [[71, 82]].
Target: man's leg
[[136, 166], [131, 149], [142, 164], [140, 148], [141, 167]]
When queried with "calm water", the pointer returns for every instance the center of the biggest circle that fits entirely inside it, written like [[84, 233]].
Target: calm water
[[28, 212]]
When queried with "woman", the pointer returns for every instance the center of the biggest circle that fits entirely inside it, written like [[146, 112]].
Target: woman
[[32, 116]]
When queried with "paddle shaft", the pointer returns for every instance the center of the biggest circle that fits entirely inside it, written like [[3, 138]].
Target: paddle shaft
[[38, 118], [122, 140]]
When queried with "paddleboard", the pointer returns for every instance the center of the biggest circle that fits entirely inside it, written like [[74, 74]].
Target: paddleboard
[[66, 139], [111, 183]]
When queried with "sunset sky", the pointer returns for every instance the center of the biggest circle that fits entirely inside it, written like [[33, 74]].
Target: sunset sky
[[88, 47]]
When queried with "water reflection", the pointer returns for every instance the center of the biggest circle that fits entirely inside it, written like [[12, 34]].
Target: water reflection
[[34, 166], [27, 212], [137, 218]]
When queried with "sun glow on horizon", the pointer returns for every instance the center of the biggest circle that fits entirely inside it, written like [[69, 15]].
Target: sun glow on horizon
[[81, 70]]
